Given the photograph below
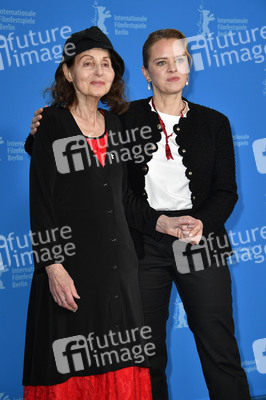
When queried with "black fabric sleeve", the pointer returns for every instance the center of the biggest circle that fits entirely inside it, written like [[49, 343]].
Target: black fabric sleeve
[[44, 227], [139, 214], [217, 208], [29, 144]]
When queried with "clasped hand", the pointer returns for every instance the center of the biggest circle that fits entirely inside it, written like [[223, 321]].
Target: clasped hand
[[185, 228]]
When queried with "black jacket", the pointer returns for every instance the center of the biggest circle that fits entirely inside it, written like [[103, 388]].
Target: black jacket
[[206, 145]]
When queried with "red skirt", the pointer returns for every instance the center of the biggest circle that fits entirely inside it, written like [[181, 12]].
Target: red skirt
[[131, 383]]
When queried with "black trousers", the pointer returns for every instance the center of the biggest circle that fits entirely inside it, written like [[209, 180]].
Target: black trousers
[[207, 300]]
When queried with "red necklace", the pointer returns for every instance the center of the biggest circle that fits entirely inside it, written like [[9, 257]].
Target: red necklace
[[167, 147]]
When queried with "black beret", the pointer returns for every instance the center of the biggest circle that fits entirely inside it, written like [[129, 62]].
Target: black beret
[[86, 40]]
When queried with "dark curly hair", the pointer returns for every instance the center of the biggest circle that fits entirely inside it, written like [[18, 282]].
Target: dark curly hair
[[63, 92]]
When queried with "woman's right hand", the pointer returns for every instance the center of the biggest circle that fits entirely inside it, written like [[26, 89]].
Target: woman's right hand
[[35, 121], [62, 287]]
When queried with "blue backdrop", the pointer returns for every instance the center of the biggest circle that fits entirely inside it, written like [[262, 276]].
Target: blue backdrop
[[227, 41]]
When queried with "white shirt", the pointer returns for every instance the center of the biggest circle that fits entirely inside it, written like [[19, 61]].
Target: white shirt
[[166, 184]]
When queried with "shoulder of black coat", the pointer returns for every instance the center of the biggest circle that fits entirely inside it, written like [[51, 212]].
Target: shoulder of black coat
[[51, 116], [110, 116], [204, 112], [136, 106], [52, 112]]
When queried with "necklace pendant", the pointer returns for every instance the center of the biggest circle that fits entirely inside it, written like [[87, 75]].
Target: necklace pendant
[[168, 152]]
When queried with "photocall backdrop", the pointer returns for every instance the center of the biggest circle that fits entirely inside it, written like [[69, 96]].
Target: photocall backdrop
[[227, 42]]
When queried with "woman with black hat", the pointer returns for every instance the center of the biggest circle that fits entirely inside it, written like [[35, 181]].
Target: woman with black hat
[[87, 339]]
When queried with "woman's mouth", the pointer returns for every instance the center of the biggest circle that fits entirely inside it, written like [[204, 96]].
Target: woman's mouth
[[173, 79], [97, 83]]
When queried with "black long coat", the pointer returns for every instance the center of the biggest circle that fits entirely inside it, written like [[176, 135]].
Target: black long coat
[[84, 208]]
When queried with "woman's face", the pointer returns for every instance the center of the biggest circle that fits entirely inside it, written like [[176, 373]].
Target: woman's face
[[168, 66], [92, 74]]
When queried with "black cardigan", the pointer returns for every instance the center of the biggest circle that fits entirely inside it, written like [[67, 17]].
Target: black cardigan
[[206, 145], [95, 203]]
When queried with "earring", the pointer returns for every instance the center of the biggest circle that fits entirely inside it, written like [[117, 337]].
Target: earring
[[187, 82], [149, 86]]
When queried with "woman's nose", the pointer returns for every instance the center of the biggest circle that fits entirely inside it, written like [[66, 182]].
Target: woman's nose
[[98, 69], [172, 65]]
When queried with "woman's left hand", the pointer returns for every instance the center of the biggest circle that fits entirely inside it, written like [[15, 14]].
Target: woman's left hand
[[176, 226], [185, 228], [194, 234]]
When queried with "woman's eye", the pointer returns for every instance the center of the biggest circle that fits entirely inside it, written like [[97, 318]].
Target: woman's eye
[[180, 60], [88, 63], [160, 63], [106, 65]]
